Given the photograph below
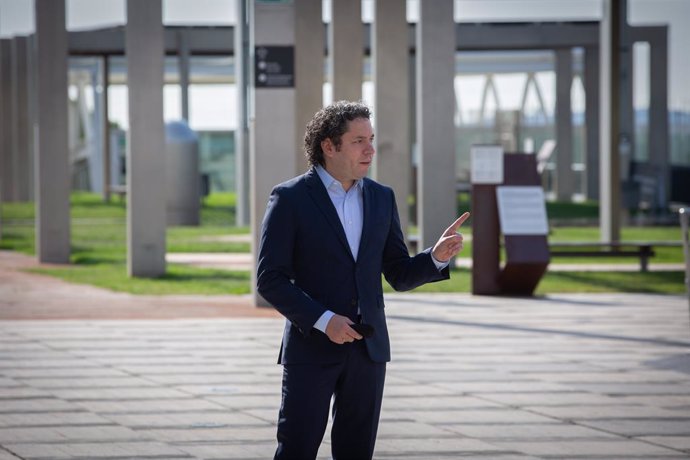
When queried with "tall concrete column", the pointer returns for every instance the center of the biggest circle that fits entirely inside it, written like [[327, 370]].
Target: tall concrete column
[[183, 70], [592, 122], [565, 180], [309, 61], [346, 49], [146, 201], [21, 124], [271, 125], [52, 161], [241, 51], [612, 23], [626, 140], [105, 128], [658, 114], [392, 162], [33, 115], [436, 194], [6, 132]]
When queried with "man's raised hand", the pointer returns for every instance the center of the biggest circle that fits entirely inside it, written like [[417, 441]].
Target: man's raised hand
[[450, 243]]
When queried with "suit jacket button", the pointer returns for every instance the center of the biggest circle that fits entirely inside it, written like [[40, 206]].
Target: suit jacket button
[[353, 302]]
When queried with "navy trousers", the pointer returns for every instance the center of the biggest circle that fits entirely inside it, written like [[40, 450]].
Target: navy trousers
[[357, 387]]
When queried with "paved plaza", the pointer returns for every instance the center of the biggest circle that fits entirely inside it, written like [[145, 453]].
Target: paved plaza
[[581, 376]]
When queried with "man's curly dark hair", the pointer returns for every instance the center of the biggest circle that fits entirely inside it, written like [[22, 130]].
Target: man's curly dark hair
[[330, 123]]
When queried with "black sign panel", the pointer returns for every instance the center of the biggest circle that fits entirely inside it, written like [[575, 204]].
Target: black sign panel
[[274, 66]]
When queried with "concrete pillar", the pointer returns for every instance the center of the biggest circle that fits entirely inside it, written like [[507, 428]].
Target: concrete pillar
[[613, 19], [6, 132], [52, 162], [5, 127], [183, 69], [271, 125], [21, 124], [436, 194], [658, 114], [346, 49], [242, 131], [105, 128], [146, 201], [565, 180], [392, 162], [591, 81], [309, 62], [626, 139], [33, 115]]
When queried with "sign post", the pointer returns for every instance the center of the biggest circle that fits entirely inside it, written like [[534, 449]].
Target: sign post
[[507, 199], [486, 173], [684, 224]]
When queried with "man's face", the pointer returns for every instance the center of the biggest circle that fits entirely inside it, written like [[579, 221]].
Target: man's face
[[351, 161]]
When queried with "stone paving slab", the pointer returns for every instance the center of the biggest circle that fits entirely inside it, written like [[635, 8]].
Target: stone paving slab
[[621, 448], [569, 376], [110, 450]]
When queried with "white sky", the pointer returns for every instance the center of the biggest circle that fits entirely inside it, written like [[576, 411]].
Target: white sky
[[16, 18]]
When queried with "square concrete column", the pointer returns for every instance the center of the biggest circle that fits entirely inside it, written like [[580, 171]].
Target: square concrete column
[[310, 45], [626, 139], [146, 200], [21, 123], [658, 113], [183, 70], [592, 122], [6, 132], [33, 115], [565, 180], [105, 127], [436, 183], [52, 161], [346, 49], [613, 20], [392, 162], [272, 123], [241, 55]]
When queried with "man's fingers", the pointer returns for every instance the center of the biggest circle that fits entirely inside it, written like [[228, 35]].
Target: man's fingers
[[456, 225], [352, 333]]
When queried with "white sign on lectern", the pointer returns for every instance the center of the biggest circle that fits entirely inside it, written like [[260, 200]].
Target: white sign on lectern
[[486, 164], [522, 210]]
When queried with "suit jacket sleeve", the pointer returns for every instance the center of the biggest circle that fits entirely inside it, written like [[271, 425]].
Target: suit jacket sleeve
[[275, 270], [402, 271]]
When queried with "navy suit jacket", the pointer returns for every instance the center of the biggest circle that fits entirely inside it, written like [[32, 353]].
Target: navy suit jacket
[[305, 266]]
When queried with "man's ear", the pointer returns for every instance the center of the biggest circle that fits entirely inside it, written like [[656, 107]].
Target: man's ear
[[328, 147]]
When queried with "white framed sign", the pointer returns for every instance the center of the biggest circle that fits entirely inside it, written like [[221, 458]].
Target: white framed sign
[[522, 210], [486, 164]]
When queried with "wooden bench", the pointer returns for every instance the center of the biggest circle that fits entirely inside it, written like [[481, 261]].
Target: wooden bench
[[641, 249], [119, 190]]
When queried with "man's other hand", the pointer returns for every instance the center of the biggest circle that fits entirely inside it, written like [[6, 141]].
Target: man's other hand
[[450, 243], [339, 331]]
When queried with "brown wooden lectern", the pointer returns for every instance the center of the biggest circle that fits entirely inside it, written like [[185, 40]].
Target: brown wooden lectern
[[527, 256]]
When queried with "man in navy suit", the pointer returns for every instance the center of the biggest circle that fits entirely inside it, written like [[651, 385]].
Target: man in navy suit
[[326, 238]]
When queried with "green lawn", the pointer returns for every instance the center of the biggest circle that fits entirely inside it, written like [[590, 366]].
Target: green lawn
[[98, 235], [99, 246], [179, 279]]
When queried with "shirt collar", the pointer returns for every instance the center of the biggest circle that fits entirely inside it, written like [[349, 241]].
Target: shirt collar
[[328, 180]]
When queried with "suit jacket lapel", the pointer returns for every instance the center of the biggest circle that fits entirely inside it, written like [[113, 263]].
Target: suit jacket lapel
[[319, 194]]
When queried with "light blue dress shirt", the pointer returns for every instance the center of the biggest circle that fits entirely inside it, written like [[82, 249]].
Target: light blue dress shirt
[[350, 208]]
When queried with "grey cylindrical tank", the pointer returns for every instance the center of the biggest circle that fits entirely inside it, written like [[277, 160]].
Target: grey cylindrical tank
[[182, 174]]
